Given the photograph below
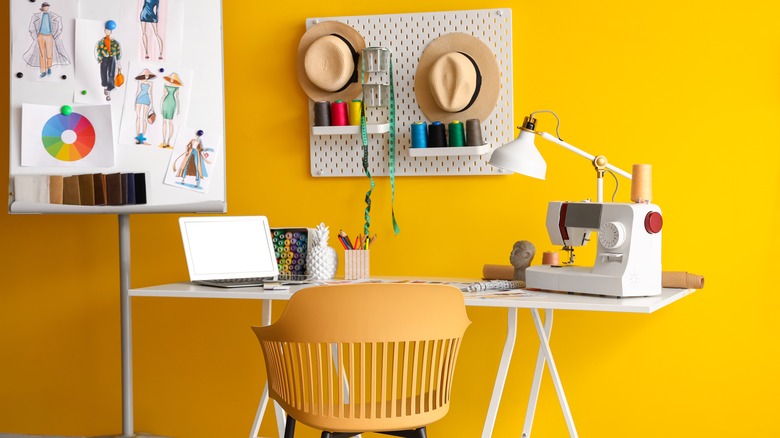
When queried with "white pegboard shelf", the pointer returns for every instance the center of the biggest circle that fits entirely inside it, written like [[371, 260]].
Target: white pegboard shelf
[[371, 128], [406, 36], [454, 151]]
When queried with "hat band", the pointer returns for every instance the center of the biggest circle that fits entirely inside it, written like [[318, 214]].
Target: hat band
[[477, 86], [355, 58]]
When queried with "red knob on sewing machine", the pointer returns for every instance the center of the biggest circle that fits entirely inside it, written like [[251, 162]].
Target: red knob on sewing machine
[[654, 222]]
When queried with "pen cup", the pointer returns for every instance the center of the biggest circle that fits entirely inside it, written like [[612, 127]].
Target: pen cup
[[356, 264]]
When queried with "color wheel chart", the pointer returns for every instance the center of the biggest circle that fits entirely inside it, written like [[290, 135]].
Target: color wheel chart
[[68, 137]]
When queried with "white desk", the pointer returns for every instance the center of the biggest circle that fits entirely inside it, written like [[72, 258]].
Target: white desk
[[537, 300]]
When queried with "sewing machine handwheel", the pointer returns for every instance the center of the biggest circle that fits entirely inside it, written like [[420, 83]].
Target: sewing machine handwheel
[[612, 235], [654, 222]]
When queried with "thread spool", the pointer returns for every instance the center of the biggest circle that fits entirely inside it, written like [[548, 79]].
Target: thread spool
[[419, 135], [354, 112], [437, 137], [551, 258], [642, 183], [473, 133], [321, 113], [338, 113], [457, 134]]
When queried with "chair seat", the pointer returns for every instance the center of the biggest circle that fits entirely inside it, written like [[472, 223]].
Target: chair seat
[[360, 421]]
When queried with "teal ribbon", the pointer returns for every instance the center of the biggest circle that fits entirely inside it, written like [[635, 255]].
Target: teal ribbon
[[391, 160]]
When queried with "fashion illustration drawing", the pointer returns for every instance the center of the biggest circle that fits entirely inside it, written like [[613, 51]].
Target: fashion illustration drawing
[[47, 48]]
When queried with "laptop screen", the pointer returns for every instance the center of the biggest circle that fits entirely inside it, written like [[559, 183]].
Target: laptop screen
[[226, 247]]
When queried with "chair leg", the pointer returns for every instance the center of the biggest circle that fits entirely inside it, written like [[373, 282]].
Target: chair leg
[[289, 428], [412, 433], [339, 434]]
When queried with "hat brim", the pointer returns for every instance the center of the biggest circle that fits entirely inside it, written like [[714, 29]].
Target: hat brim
[[315, 32], [144, 77], [172, 81], [486, 99]]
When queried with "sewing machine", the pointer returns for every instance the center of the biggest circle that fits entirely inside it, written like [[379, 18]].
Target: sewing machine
[[628, 257]]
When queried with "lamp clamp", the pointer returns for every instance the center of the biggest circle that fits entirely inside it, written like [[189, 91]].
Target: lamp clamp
[[600, 164]]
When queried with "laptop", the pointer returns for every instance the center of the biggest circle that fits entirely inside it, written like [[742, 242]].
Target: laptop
[[229, 251]]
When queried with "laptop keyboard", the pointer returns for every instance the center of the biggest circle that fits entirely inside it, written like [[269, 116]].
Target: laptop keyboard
[[234, 282]]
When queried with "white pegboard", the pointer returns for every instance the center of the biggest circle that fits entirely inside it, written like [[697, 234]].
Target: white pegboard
[[407, 35]]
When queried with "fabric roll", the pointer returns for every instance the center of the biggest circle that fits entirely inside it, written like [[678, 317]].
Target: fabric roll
[[498, 272], [682, 280]]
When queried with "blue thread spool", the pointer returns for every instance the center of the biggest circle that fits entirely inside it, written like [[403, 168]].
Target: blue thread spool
[[419, 135]]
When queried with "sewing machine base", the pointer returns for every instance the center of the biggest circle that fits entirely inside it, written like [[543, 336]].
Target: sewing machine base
[[581, 279]]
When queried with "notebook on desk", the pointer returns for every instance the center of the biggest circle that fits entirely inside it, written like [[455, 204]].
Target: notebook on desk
[[228, 251]]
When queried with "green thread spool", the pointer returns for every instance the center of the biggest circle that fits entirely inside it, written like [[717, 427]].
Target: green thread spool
[[457, 134]]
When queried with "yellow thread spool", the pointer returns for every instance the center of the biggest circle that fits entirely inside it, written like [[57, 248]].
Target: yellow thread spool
[[354, 112]]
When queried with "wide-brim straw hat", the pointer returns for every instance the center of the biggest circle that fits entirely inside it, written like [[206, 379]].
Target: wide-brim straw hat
[[146, 74], [329, 61], [173, 79], [457, 78]]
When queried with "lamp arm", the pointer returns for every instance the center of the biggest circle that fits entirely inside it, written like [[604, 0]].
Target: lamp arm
[[580, 152]]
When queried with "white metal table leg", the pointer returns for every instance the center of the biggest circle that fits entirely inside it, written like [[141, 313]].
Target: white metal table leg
[[503, 369], [280, 414], [544, 348], [537, 382]]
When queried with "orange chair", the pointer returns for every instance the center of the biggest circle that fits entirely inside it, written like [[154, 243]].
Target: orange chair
[[348, 359]]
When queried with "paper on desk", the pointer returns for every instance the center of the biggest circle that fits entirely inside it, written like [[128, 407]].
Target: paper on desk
[[499, 294]]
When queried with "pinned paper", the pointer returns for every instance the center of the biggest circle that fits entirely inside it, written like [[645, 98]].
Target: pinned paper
[[193, 159], [82, 138]]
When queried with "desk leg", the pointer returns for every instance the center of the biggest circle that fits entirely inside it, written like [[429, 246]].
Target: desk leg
[[503, 369], [281, 416], [546, 354]]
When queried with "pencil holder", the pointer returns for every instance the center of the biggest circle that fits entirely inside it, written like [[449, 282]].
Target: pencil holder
[[356, 264]]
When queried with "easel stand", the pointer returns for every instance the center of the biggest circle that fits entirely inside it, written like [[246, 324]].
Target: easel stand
[[127, 337]]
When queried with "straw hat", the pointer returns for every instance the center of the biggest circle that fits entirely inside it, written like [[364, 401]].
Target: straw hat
[[457, 78], [146, 74], [173, 79], [328, 56]]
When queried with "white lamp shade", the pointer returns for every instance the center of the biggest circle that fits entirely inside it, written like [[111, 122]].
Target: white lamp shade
[[521, 156]]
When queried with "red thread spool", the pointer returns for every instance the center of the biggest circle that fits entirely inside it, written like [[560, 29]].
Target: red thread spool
[[338, 113]]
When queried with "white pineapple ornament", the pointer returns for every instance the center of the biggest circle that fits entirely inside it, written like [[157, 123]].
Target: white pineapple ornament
[[322, 261]]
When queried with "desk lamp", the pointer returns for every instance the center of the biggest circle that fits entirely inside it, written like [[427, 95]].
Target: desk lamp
[[521, 155]]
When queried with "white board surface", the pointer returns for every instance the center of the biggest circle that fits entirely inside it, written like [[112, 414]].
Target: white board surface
[[200, 30]]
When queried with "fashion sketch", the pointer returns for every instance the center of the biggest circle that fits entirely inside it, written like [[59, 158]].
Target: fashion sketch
[[192, 162], [170, 107], [47, 48], [150, 17], [108, 52], [144, 112]]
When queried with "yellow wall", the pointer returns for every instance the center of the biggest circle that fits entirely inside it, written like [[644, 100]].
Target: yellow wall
[[691, 87]]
